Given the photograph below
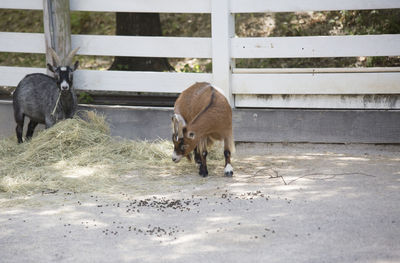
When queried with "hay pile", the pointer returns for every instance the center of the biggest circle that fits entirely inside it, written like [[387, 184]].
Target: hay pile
[[80, 155]]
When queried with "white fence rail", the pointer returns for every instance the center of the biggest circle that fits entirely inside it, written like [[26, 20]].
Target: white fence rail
[[309, 88]]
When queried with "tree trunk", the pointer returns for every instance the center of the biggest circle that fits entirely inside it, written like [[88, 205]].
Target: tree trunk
[[139, 24]]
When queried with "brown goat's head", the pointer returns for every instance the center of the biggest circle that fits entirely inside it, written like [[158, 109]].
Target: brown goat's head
[[184, 141]]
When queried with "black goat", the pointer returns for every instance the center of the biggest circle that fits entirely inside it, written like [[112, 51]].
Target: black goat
[[45, 99]]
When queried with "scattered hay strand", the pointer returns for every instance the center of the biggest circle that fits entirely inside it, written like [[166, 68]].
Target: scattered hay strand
[[80, 155]]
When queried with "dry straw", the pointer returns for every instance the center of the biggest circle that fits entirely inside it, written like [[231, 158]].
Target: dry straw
[[80, 155]]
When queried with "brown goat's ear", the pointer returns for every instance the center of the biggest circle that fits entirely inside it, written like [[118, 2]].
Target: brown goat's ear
[[191, 135], [179, 125]]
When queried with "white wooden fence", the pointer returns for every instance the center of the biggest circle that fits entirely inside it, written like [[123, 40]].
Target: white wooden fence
[[302, 88]]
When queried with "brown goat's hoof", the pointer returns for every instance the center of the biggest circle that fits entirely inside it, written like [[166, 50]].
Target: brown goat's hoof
[[203, 171], [229, 174], [228, 170]]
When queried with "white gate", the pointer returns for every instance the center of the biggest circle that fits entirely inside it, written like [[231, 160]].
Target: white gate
[[299, 88]]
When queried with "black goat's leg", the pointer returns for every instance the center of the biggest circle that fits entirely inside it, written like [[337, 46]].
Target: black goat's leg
[[31, 127], [19, 119], [49, 121]]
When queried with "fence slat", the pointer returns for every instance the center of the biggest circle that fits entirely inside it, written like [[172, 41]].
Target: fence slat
[[17, 42], [22, 4], [190, 47], [323, 83], [313, 70], [153, 6], [263, 6], [164, 82], [204, 6], [11, 76], [316, 46]]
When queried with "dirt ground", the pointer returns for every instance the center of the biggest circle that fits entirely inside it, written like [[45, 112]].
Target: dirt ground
[[285, 203]]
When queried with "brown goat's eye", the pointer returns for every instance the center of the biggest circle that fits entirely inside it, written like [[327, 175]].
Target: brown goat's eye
[[183, 147]]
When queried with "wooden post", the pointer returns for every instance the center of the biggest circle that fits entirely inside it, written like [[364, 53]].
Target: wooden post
[[223, 29], [57, 28]]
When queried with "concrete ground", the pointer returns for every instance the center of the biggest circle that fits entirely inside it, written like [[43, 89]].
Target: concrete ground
[[285, 203]]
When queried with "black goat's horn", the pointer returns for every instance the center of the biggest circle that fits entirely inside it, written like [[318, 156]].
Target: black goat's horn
[[71, 54], [56, 58]]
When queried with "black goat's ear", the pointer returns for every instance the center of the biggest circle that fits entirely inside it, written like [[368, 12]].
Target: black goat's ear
[[75, 65], [51, 68]]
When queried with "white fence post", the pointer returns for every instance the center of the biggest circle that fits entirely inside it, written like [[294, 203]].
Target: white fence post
[[223, 28]]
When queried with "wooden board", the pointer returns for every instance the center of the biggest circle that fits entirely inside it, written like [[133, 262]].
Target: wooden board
[[161, 82], [223, 29], [187, 47], [322, 83], [22, 4], [263, 6], [370, 101], [135, 46], [204, 6], [11, 76], [153, 6], [316, 46], [17, 42]]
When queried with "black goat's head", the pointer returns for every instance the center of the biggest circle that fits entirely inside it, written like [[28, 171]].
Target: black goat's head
[[63, 72], [63, 75]]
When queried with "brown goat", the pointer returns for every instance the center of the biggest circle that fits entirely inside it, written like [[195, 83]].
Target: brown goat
[[202, 115]]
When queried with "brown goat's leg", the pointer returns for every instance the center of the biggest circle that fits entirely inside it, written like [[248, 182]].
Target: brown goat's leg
[[197, 157], [229, 146], [228, 167], [203, 165]]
